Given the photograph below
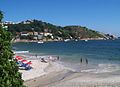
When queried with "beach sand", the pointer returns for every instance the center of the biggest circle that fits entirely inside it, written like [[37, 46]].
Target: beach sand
[[53, 74], [59, 79], [36, 71]]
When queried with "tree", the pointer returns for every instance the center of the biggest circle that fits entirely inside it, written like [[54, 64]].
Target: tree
[[1, 16], [9, 75]]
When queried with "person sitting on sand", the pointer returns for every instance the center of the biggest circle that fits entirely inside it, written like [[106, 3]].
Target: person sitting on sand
[[43, 60]]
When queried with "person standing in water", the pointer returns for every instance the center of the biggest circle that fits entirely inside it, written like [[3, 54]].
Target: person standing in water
[[36, 55], [58, 58], [81, 60], [86, 61]]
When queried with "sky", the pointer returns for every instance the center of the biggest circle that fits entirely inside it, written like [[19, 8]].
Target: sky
[[99, 15]]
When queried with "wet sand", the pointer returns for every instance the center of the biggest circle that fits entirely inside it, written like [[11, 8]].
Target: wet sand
[[74, 79]]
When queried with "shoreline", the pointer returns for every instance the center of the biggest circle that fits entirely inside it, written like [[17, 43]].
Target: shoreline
[[50, 40], [54, 74], [40, 68]]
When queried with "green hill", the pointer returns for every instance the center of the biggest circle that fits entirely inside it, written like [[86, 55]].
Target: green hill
[[67, 32]]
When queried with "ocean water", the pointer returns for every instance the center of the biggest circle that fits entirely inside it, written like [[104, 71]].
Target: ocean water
[[104, 54]]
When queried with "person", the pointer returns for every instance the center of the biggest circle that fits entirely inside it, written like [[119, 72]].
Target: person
[[36, 55], [81, 60], [86, 61], [58, 58], [43, 60]]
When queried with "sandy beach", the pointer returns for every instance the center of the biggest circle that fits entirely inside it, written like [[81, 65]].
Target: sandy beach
[[53, 74], [59, 79], [36, 71]]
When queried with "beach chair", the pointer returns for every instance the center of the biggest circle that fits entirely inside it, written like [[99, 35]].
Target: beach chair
[[22, 63], [25, 66]]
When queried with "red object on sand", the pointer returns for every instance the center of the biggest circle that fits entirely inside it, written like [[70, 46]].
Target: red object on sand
[[19, 58], [24, 61], [29, 62]]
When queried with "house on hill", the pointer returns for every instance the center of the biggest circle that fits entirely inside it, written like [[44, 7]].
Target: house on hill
[[24, 33]]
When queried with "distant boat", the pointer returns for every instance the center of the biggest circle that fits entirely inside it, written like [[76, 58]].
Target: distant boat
[[86, 40], [67, 40], [76, 40], [40, 42]]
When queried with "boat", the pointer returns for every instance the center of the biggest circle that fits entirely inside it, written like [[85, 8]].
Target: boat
[[76, 40], [40, 42], [67, 40], [86, 40]]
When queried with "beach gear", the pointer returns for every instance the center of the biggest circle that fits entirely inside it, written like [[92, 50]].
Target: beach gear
[[25, 66], [29, 62], [18, 60], [22, 63]]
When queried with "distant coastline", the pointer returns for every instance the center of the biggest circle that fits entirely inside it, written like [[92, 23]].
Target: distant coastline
[[37, 30], [55, 40]]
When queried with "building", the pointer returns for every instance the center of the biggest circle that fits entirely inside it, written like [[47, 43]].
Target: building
[[47, 34], [24, 33], [40, 37], [35, 33], [35, 37], [30, 33]]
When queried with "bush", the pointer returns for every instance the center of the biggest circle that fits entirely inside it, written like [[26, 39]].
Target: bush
[[9, 75]]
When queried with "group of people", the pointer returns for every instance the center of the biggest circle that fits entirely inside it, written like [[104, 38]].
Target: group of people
[[84, 60], [50, 58]]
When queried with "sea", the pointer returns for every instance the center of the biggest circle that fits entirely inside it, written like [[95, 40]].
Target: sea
[[95, 56]]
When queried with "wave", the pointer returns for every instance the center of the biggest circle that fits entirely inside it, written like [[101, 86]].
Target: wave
[[20, 52], [104, 68]]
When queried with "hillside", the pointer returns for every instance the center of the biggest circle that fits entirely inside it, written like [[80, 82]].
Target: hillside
[[67, 32]]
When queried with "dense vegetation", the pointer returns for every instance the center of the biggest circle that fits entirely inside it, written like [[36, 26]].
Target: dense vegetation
[[73, 32], [9, 75], [81, 32]]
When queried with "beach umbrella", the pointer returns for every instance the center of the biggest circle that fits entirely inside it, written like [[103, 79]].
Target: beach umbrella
[[24, 61], [19, 58], [29, 62]]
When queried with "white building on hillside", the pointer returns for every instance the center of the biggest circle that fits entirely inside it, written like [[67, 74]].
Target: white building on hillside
[[46, 34]]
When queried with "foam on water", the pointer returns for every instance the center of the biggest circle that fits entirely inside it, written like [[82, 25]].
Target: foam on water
[[103, 68]]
